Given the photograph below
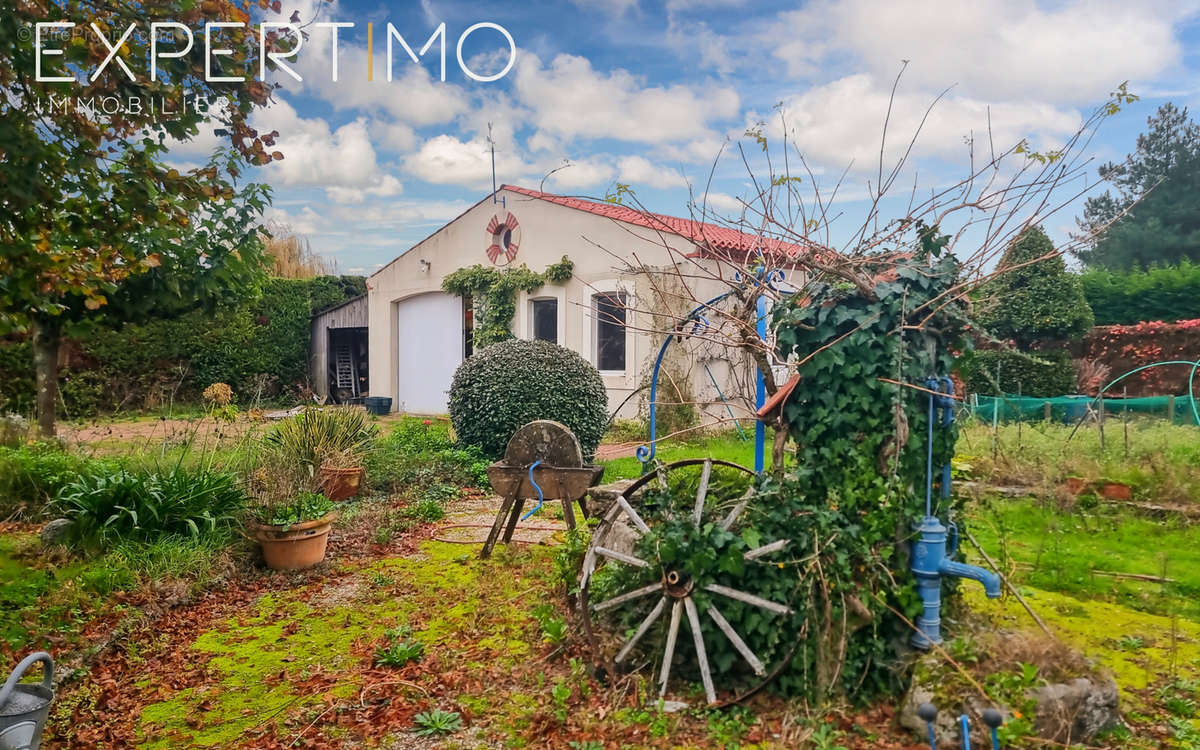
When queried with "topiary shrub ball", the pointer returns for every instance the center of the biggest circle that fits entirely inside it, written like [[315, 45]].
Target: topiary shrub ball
[[510, 383]]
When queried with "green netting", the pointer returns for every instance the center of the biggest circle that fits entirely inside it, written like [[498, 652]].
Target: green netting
[[1069, 409]]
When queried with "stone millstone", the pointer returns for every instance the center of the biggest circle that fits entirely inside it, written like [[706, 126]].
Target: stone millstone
[[547, 441]]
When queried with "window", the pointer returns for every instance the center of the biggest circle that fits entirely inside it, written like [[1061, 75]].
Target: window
[[545, 320], [610, 331]]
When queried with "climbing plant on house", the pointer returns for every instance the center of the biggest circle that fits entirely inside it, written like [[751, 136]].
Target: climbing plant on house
[[494, 294]]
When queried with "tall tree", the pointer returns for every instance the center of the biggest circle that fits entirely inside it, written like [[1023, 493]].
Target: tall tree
[[92, 213], [1032, 296], [1157, 184]]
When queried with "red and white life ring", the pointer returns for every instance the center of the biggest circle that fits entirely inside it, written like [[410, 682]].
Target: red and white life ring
[[505, 236]]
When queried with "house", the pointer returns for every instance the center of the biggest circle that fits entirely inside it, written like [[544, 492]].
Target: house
[[419, 334]]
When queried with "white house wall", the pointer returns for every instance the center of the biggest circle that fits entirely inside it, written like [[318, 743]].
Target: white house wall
[[549, 231]]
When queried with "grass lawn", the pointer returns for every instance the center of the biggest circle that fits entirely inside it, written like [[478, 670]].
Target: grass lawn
[[727, 446], [1040, 545]]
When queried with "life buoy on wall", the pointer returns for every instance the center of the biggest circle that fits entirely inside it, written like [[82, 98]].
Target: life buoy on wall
[[505, 237]]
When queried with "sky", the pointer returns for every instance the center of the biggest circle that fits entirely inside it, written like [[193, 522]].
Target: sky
[[650, 93]]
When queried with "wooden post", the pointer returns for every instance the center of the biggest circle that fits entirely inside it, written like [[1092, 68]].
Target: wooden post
[[1171, 409], [1046, 411], [1100, 422]]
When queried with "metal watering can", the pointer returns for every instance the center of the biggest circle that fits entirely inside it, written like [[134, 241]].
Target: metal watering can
[[25, 707]]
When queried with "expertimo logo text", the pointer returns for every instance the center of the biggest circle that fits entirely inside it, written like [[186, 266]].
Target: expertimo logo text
[[166, 38]]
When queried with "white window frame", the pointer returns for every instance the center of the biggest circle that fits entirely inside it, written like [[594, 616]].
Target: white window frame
[[525, 324], [598, 288]]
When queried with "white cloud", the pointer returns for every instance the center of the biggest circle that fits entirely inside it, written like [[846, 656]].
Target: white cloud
[[692, 38], [447, 160], [843, 121], [305, 221], [615, 8], [993, 49], [341, 161], [570, 99], [721, 203], [640, 171], [583, 173], [414, 96]]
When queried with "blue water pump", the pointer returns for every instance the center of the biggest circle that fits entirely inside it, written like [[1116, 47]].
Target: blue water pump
[[931, 560]]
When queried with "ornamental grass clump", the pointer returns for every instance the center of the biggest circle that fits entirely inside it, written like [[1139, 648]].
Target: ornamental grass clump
[[315, 436]]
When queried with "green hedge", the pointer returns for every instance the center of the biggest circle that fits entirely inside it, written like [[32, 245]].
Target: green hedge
[[1019, 373], [1159, 293], [261, 344]]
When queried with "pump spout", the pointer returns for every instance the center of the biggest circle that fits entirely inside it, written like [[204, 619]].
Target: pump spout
[[990, 581]]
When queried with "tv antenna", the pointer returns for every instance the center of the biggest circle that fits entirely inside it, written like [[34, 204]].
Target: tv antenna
[[492, 148]]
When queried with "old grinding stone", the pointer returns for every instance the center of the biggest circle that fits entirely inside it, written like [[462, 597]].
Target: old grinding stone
[[547, 441]]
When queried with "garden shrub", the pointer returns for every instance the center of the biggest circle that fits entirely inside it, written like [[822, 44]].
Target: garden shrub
[[1034, 300], [1158, 293], [1037, 374], [109, 507], [511, 383], [32, 475], [258, 346], [422, 452]]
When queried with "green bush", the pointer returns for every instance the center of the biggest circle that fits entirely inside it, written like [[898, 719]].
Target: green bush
[[32, 475], [259, 346], [1034, 300], [514, 382], [422, 453], [1039, 374], [107, 508], [1167, 293]]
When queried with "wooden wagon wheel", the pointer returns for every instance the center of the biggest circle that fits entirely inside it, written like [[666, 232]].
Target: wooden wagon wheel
[[674, 584]]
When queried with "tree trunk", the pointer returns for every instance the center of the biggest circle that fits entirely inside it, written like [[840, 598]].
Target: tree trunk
[[46, 339]]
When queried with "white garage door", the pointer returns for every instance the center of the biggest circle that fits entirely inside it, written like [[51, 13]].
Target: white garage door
[[430, 350]]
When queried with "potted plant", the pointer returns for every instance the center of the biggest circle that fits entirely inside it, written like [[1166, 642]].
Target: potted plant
[[294, 534], [327, 445], [341, 475]]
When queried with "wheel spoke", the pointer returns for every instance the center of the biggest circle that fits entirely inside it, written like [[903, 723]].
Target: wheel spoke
[[702, 492], [732, 518], [754, 662], [629, 596], [669, 653], [766, 549], [742, 596], [641, 631], [701, 653], [589, 564], [633, 514], [612, 554]]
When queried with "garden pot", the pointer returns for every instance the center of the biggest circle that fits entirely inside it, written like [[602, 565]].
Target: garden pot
[[1116, 491], [1076, 485], [295, 547], [339, 484]]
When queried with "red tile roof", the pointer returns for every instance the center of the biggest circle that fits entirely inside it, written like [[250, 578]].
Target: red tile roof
[[706, 236]]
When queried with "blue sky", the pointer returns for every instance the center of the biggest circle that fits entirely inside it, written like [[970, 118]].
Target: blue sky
[[646, 93]]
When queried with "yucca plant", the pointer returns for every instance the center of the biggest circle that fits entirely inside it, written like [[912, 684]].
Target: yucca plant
[[315, 436]]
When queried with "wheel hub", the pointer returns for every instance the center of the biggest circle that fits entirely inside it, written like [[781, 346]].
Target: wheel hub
[[677, 583]]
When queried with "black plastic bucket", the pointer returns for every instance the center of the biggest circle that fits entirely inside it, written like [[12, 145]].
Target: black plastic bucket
[[379, 405]]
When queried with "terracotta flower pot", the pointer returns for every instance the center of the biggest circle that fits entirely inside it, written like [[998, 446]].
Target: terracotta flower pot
[[1116, 491], [294, 547], [339, 484], [1076, 485]]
